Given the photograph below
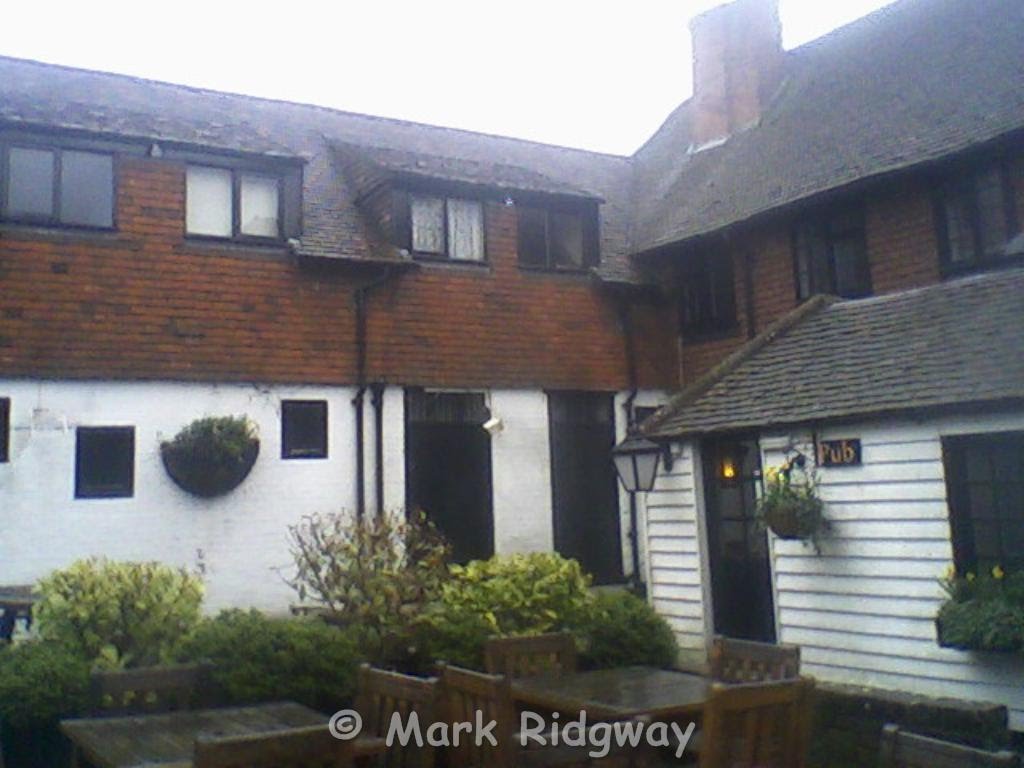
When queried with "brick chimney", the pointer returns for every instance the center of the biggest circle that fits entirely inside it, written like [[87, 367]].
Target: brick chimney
[[737, 67]]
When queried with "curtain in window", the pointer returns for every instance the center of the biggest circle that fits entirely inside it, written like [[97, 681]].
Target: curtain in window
[[259, 206], [465, 230], [208, 201], [427, 214]]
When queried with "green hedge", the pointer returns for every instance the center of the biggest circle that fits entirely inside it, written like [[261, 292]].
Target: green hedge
[[258, 658], [621, 630]]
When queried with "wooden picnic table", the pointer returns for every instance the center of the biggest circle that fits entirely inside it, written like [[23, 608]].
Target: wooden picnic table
[[167, 740], [619, 693]]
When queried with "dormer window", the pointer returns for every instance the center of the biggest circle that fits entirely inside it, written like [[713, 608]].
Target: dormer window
[[56, 186], [560, 238], [446, 228], [976, 218], [232, 203]]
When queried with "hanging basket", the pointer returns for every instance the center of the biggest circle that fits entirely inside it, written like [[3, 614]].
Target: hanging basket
[[211, 457], [799, 519]]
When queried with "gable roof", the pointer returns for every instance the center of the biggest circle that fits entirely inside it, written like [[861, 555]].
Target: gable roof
[[956, 343], [912, 82]]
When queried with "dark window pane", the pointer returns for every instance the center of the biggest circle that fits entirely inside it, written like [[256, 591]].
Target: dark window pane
[[991, 212], [831, 256], [87, 189], [708, 293], [850, 265], [566, 237], [304, 429], [30, 183], [5, 428], [986, 506], [104, 462], [533, 248], [959, 231]]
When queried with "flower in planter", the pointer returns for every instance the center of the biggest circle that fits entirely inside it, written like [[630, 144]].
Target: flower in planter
[[790, 506], [213, 455], [983, 612]]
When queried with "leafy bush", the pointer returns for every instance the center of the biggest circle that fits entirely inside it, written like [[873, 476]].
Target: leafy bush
[[377, 574], [40, 682], [258, 658], [621, 629], [983, 613], [211, 456], [119, 614], [521, 594]]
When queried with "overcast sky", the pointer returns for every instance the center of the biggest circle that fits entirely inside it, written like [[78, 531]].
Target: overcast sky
[[583, 73]]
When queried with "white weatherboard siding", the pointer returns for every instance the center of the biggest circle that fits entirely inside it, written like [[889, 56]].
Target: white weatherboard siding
[[863, 611], [676, 551]]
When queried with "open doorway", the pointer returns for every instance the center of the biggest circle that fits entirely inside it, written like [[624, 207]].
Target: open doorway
[[448, 468], [741, 582]]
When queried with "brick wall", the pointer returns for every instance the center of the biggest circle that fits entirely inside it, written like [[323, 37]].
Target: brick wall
[[902, 253], [144, 303]]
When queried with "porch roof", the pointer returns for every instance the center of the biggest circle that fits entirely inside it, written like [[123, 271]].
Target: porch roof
[[958, 343]]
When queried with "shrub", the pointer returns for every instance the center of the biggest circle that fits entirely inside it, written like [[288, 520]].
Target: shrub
[[621, 629], [211, 456], [983, 613], [40, 682], [119, 614], [377, 574], [258, 658], [505, 595]]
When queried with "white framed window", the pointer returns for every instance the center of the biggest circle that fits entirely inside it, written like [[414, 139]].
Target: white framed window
[[447, 227], [230, 203]]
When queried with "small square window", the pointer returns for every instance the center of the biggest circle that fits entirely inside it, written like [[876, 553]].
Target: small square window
[[304, 429], [5, 429], [554, 239], [104, 462]]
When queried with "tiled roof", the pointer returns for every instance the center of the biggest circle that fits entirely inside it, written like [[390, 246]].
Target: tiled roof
[[910, 83], [35, 94], [956, 343], [913, 82]]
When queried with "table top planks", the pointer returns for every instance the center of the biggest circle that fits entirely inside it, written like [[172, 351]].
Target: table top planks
[[167, 740], [618, 693]]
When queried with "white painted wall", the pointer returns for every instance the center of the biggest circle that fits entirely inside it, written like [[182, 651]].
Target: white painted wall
[[521, 472], [645, 398], [240, 538], [678, 581], [863, 610]]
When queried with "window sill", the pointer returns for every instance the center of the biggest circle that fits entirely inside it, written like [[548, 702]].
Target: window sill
[[566, 271], [216, 245], [950, 271], [59, 232], [707, 335], [443, 261]]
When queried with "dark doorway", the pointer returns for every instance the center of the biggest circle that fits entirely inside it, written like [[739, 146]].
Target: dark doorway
[[585, 499], [448, 468], [741, 585]]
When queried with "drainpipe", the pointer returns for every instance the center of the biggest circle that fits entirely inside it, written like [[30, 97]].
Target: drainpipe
[[377, 398], [625, 321], [360, 295]]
